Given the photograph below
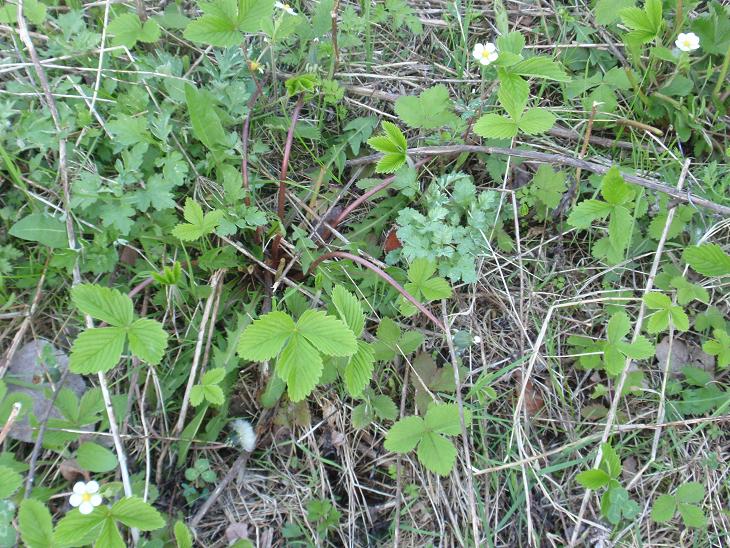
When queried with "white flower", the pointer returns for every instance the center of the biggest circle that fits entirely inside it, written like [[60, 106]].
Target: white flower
[[485, 53], [687, 41], [285, 7], [86, 496]]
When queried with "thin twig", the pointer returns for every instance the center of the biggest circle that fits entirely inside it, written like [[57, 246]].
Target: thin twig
[[464, 433], [215, 280], [545, 158], [14, 412]]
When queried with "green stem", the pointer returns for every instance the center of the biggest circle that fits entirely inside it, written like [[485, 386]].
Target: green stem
[[723, 73]]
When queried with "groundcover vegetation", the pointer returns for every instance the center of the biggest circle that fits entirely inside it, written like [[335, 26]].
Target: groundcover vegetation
[[364, 273]]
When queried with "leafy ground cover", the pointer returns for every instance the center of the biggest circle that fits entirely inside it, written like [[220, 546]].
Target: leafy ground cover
[[345, 273]]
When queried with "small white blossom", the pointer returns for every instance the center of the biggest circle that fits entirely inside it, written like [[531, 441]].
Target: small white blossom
[[285, 7], [477, 339], [85, 496], [687, 41], [485, 53]]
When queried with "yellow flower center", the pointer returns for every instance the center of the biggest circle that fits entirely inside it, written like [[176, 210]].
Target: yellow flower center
[[485, 54], [86, 497], [254, 66], [687, 44]]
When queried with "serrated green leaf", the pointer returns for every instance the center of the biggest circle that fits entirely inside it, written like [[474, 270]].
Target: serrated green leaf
[[691, 492], [663, 509], [657, 300], [430, 110], [384, 407], [494, 126], [109, 536], [436, 453], [688, 291], [618, 327], [720, 347], [134, 512], [183, 538], [198, 224], [512, 42], [10, 481], [619, 228], [659, 321], [405, 434], [97, 350], [614, 189], [329, 335], [300, 365], [587, 212], [536, 120], [444, 419], [265, 337], [391, 162], [540, 66], [147, 340], [35, 525], [349, 308], [513, 94], [593, 479], [359, 369], [610, 461], [214, 376], [77, 529], [708, 260], [214, 394], [692, 515], [607, 11], [395, 135], [95, 458], [640, 349], [127, 30], [103, 303]]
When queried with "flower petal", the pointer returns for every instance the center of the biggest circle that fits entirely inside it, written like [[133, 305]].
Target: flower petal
[[95, 500], [478, 49], [92, 487], [490, 47], [86, 507], [74, 500], [79, 488]]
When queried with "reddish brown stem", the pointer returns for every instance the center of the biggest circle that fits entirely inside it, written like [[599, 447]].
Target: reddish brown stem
[[281, 209], [367, 264], [364, 197]]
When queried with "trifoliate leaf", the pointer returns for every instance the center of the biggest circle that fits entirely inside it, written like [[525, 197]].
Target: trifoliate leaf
[[436, 453], [593, 479], [300, 365], [265, 337], [95, 458], [97, 350], [430, 110], [405, 434], [692, 515], [198, 225], [329, 335], [134, 512], [494, 126], [708, 260], [103, 303], [349, 308], [127, 30], [35, 525], [536, 120], [147, 340], [359, 369]]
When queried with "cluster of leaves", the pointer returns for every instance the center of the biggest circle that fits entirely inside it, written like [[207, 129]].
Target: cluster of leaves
[[454, 228], [616, 505], [428, 436], [98, 349]]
